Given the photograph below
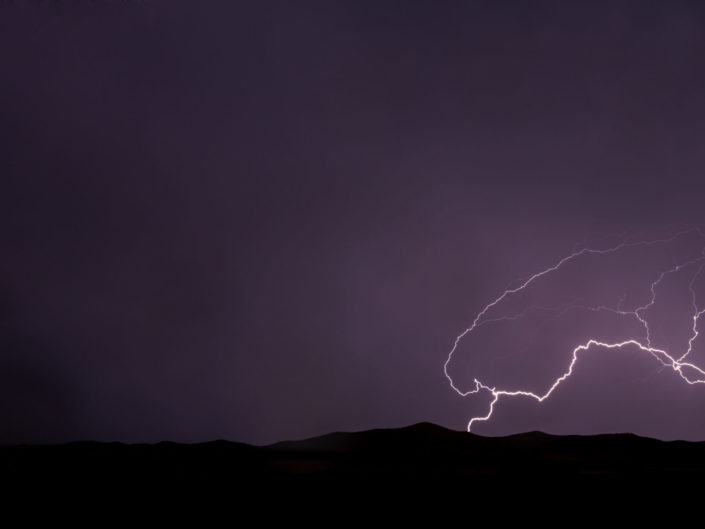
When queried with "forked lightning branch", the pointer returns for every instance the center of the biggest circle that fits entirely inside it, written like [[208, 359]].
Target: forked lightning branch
[[678, 361]]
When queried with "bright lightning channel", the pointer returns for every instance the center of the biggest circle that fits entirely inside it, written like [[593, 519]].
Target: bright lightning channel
[[676, 363]]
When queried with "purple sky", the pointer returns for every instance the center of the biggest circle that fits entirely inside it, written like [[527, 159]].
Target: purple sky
[[271, 221]]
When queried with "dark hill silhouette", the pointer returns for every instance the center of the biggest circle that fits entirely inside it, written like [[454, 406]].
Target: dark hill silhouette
[[420, 454]]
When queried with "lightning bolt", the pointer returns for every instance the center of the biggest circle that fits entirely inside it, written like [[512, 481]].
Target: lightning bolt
[[688, 372]]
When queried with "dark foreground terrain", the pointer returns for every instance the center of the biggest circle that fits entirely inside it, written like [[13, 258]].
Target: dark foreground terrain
[[420, 453], [400, 472]]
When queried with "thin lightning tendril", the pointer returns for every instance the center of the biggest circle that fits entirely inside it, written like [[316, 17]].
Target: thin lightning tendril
[[677, 364]]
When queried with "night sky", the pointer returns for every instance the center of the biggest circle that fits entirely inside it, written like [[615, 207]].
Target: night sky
[[270, 220]]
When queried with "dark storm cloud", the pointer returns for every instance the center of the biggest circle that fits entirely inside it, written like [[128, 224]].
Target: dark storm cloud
[[271, 220]]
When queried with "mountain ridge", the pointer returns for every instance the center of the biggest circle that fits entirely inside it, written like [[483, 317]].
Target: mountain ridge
[[422, 452]]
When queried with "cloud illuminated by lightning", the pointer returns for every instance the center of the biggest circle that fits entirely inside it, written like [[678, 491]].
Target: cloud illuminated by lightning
[[688, 372]]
